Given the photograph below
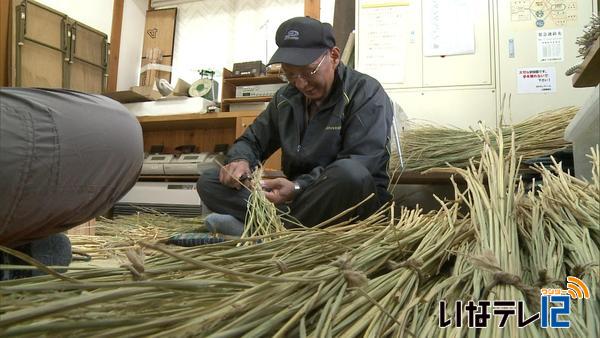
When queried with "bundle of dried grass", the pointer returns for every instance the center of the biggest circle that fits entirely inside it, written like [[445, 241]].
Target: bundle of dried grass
[[383, 276], [262, 216], [428, 146]]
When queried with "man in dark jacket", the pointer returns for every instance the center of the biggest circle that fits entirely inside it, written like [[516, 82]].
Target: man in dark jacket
[[333, 126]]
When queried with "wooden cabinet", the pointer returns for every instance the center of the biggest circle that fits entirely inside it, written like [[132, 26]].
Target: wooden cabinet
[[273, 162], [228, 97], [51, 50], [207, 130], [203, 130], [230, 83]]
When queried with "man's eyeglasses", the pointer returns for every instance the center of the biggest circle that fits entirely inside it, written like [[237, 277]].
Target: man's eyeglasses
[[306, 75]]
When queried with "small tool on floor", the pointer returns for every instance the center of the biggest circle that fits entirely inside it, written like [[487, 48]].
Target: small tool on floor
[[194, 239]]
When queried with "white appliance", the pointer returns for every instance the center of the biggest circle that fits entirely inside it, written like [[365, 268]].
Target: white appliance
[[171, 105], [258, 90], [174, 198], [188, 164], [185, 164], [154, 164]]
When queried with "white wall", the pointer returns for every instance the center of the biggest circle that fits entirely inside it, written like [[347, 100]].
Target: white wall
[[448, 90], [327, 11], [132, 33], [215, 34], [524, 35], [94, 13]]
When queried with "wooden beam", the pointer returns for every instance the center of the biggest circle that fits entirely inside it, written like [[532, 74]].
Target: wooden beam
[[115, 45], [5, 47], [312, 8], [589, 69]]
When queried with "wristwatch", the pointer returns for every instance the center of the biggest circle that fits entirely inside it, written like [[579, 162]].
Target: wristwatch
[[297, 188]]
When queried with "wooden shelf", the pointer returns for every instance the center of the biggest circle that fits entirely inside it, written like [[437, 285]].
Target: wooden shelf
[[431, 178], [169, 178], [268, 173], [193, 120], [589, 76], [230, 83], [250, 81], [247, 99]]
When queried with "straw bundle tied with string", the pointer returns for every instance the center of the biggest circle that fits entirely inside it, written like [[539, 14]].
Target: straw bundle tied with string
[[382, 276], [426, 146]]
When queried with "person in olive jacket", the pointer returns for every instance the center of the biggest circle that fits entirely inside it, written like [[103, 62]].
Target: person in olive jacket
[[333, 126]]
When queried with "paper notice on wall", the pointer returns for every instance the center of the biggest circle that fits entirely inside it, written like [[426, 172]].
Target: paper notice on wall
[[448, 27], [550, 45], [382, 38], [536, 80], [547, 13]]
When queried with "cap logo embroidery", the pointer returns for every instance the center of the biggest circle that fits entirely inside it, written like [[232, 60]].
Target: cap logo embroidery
[[292, 35]]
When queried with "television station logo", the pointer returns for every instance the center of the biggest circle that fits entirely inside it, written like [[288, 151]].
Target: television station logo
[[555, 307]]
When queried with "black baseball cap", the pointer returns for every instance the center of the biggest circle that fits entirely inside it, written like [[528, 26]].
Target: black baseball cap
[[302, 40]]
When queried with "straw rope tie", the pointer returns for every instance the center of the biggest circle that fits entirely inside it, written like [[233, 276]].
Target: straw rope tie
[[544, 279], [580, 271], [487, 261], [136, 265], [283, 268], [414, 264], [353, 277], [506, 278]]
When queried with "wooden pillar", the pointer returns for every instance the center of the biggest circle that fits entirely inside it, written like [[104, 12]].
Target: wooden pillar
[[115, 45], [312, 8], [5, 47]]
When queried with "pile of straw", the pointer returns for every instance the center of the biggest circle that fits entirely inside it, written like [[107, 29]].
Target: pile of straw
[[383, 276], [114, 237], [428, 146]]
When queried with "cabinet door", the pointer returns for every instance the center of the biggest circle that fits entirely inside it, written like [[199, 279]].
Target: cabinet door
[[159, 39], [40, 46], [273, 162], [469, 69], [87, 59]]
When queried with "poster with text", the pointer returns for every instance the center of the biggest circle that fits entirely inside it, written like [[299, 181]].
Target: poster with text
[[536, 80]]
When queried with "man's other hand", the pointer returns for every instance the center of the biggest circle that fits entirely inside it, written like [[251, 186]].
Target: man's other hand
[[278, 190], [230, 174]]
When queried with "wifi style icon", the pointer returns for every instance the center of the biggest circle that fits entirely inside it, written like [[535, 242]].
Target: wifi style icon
[[577, 288]]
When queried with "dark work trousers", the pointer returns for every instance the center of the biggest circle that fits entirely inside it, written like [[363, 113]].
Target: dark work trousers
[[343, 184]]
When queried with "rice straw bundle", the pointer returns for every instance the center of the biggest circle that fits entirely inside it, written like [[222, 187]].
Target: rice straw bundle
[[492, 214], [382, 276], [396, 289], [428, 146], [171, 276], [572, 210], [262, 216]]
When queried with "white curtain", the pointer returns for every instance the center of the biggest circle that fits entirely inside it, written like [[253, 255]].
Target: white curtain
[[216, 34]]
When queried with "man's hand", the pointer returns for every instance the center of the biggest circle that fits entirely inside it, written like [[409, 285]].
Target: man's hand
[[278, 190], [230, 174]]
